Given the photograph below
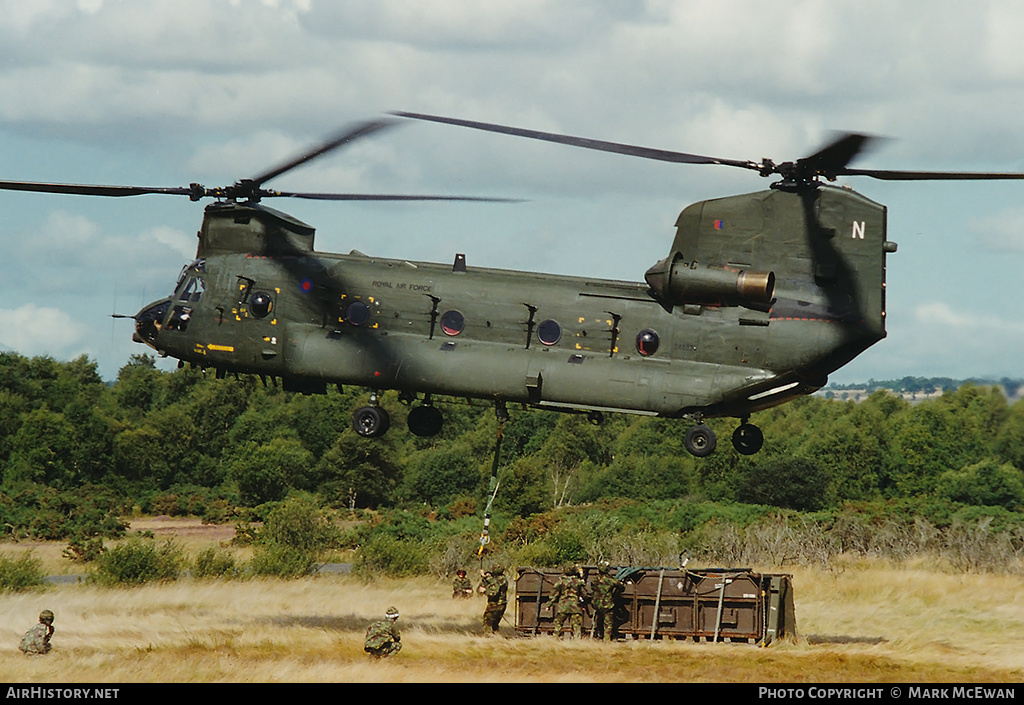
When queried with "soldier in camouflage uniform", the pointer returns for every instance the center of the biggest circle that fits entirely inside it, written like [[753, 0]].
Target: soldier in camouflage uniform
[[382, 637], [37, 639], [569, 596], [462, 586], [606, 591], [495, 587]]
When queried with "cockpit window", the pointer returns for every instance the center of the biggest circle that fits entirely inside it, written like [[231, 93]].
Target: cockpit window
[[192, 271], [191, 289]]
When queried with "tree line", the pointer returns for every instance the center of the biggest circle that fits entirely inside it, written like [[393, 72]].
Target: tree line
[[77, 453]]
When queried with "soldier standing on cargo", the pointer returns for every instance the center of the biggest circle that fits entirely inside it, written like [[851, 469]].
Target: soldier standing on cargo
[[495, 587], [569, 596], [462, 586], [606, 590], [37, 639], [382, 637]]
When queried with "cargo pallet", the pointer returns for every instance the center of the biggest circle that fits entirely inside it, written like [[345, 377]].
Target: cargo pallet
[[714, 604]]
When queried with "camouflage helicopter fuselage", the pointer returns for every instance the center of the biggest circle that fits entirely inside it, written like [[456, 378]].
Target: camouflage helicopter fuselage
[[761, 297]]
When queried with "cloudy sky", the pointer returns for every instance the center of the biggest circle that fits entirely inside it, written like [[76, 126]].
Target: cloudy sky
[[155, 93]]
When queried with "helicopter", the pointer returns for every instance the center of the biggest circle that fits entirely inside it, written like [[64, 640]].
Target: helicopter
[[760, 297]]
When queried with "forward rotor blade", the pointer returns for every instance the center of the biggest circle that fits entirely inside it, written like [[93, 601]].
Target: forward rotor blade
[[599, 145], [91, 190], [348, 135], [381, 197]]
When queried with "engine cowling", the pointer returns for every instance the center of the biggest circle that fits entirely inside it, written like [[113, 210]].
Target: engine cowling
[[679, 282]]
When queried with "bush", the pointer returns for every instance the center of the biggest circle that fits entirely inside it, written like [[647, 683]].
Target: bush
[[85, 550], [392, 557], [985, 484], [22, 573], [138, 561], [788, 483], [294, 536], [214, 563], [277, 561]]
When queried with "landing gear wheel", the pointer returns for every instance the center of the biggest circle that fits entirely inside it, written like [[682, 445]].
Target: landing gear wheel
[[425, 421], [370, 421], [700, 441], [747, 439]]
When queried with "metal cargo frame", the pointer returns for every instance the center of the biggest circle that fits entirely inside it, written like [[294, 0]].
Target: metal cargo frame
[[715, 604]]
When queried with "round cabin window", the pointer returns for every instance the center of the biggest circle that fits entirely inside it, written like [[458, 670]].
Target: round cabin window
[[452, 322], [549, 332], [261, 304], [357, 313], [647, 342]]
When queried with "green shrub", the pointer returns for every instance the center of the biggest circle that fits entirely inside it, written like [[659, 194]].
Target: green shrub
[[277, 561], [22, 573], [138, 561], [212, 562], [293, 539], [985, 484], [383, 553], [85, 550]]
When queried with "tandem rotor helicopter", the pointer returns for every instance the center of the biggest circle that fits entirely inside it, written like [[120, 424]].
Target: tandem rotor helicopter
[[759, 298]]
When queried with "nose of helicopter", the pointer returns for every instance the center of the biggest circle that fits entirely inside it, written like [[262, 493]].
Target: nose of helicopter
[[149, 321]]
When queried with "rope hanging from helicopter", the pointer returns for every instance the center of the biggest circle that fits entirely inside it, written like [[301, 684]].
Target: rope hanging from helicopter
[[492, 489]]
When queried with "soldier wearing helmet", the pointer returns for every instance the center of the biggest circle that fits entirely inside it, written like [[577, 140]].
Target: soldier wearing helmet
[[462, 586], [382, 637], [569, 596], [606, 591], [37, 639], [495, 587]]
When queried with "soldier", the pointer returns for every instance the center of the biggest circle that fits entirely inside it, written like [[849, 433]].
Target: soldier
[[569, 596], [495, 587], [462, 586], [37, 639], [606, 590], [382, 637]]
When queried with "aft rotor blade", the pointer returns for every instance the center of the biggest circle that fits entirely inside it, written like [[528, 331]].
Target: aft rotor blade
[[890, 175], [346, 136], [834, 156], [586, 143], [91, 190]]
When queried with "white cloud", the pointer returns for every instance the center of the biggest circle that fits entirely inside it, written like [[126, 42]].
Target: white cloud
[[175, 240], [38, 330]]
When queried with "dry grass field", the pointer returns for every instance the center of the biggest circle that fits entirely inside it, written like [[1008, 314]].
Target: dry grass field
[[869, 623]]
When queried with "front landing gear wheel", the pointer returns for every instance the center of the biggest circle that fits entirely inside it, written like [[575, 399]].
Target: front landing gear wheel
[[370, 421], [747, 439], [700, 441]]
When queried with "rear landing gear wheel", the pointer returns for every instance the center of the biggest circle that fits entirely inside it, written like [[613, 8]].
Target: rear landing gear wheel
[[700, 441], [370, 421], [425, 421], [747, 439]]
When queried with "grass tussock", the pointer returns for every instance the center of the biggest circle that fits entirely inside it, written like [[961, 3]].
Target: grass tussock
[[871, 622]]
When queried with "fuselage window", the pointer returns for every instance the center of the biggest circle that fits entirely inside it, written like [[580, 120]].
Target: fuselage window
[[357, 313], [647, 342], [549, 332], [261, 304], [452, 322]]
